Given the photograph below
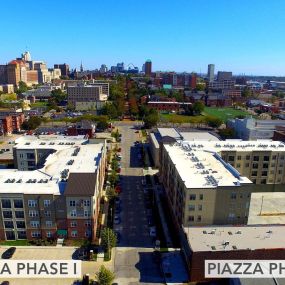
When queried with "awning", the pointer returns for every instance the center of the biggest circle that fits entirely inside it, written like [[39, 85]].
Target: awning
[[62, 232]]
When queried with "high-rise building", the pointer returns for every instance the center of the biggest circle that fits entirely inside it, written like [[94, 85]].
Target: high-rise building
[[148, 67], [211, 72], [64, 68], [224, 75], [26, 56], [16, 71], [143, 67], [3, 74], [103, 68], [120, 67]]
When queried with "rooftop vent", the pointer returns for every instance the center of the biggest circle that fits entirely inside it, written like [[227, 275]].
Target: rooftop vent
[[230, 233], [213, 247], [70, 162], [10, 181], [204, 232], [238, 232], [234, 247]]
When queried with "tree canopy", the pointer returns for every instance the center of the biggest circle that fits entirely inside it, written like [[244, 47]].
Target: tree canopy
[[105, 276]]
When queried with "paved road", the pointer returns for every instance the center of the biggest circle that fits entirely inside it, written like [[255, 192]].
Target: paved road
[[134, 262]]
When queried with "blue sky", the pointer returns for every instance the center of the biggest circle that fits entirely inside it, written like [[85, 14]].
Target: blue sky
[[243, 36]]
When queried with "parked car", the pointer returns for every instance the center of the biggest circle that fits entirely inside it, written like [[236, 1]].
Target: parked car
[[8, 253], [117, 220]]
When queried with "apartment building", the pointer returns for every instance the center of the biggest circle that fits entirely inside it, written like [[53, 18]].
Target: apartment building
[[210, 182], [86, 97], [224, 84], [232, 243], [252, 129], [60, 197]]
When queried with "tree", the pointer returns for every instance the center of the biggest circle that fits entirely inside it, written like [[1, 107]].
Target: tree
[[151, 119], [108, 240], [110, 110], [213, 122], [227, 133], [111, 193], [32, 123], [58, 95], [102, 125], [198, 107], [246, 92], [22, 87], [105, 276], [200, 86]]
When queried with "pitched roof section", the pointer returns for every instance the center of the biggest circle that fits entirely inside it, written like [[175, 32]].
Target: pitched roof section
[[80, 184]]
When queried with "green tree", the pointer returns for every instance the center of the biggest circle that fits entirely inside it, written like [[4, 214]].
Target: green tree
[[111, 193], [32, 123], [110, 110], [246, 92], [22, 87], [102, 125], [108, 240], [58, 95], [227, 133], [213, 121], [151, 119], [200, 86], [105, 276], [198, 107]]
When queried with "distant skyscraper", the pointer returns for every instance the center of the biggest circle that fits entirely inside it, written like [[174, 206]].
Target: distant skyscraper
[[120, 67], [26, 56], [211, 72], [103, 68], [143, 68], [81, 67], [64, 68], [148, 67]]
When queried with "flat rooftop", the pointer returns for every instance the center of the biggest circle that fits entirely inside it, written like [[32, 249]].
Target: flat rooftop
[[203, 169], [67, 159], [198, 136], [171, 132], [230, 238], [267, 208]]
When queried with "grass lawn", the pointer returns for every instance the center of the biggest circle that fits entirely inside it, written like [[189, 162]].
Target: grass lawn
[[224, 113], [39, 104], [174, 118], [15, 242]]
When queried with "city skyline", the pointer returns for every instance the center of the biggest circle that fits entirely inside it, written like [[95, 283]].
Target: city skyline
[[185, 37]]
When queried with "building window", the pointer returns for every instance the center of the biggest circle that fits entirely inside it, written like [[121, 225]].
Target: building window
[[35, 234], [87, 234], [200, 207], [239, 157], [46, 203], [201, 196], [47, 213], [6, 203], [74, 233], [49, 224], [191, 219], [264, 173], [263, 181], [32, 203], [266, 158], [20, 224], [88, 223], [255, 165], [254, 173], [19, 214], [238, 165], [73, 213], [191, 207], [86, 213], [18, 204], [254, 181], [233, 195], [9, 224], [231, 158], [35, 224], [33, 213], [49, 234], [72, 203], [199, 218], [282, 157], [256, 158], [192, 197], [273, 157], [265, 165], [247, 157], [73, 224], [7, 214], [87, 203]]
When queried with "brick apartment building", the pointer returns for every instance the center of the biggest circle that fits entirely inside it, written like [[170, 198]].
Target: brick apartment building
[[11, 121], [55, 190]]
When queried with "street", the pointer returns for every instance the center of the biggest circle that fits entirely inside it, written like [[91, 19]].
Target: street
[[134, 262]]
